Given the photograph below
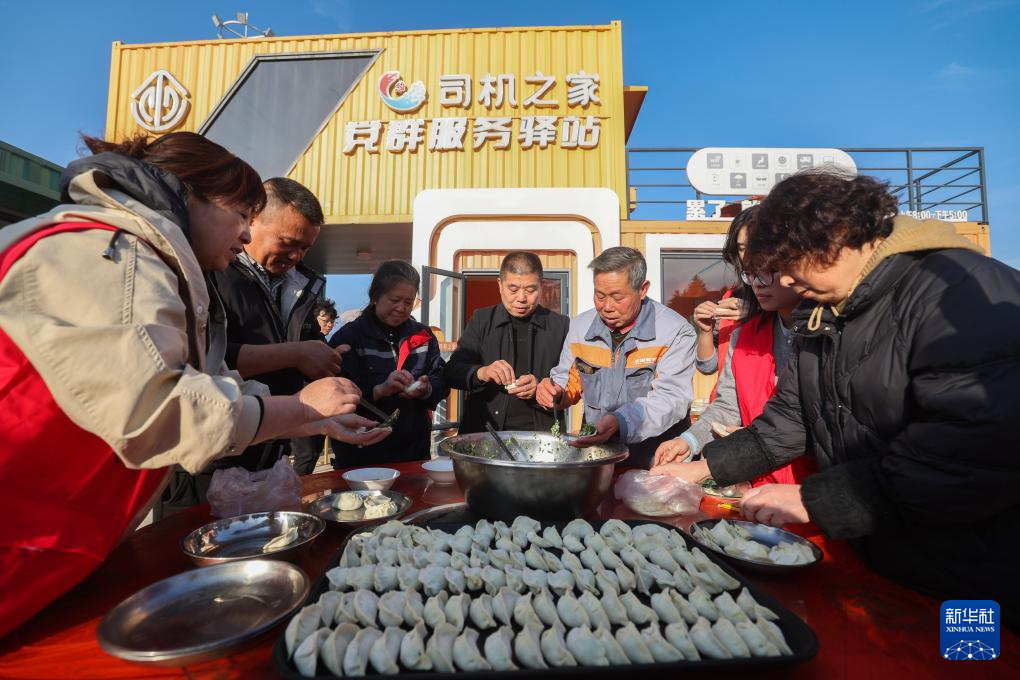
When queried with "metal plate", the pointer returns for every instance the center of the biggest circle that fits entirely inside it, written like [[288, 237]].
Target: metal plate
[[799, 635], [202, 614], [324, 507], [763, 534], [246, 536]]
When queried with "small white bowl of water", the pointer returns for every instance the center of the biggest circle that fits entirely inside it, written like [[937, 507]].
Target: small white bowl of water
[[440, 470], [371, 478]]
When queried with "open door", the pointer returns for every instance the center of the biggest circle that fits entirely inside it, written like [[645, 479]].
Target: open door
[[443, 295]]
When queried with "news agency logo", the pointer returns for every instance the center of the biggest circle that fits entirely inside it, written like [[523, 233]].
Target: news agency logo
[[970, 630]]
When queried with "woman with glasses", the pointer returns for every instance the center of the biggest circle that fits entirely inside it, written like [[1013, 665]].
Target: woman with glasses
[[395, 361], [757, 353]]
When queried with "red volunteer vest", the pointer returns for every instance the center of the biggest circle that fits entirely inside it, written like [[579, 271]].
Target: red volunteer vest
[[65, 497], [754, 371]]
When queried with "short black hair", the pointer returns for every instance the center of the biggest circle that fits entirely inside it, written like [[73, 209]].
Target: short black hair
[[814, 214], [390, 274], [285, 191], [522, 263], [326, 305]]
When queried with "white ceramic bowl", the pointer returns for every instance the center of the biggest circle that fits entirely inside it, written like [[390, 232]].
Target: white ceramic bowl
[[440, 470], [371, 478]]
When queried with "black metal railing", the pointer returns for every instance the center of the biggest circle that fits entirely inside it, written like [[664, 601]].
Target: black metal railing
[[945, 182]]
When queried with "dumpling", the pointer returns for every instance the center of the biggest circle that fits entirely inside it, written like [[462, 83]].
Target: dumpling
[[607, 580], [554, 648], [303, 624], [535, 539], [391, 608], [626, 577], [412, 650], [752, 608], [351, 557], [551, 535], [433, 579], [590, 559], [577, 527], [650, 530], [330, 602], [631, 556], [307, 653], [663, 578], [337, 577], [552, 562], [534, 579], [586, 648], [434, 611], [597, 615], [614, 652], [561, 582], [527, 647], [663, 605], [596, 543], [335, 645], [703, 581], [609, 559], [455, 580], [679, 636], [755, 639], [638, 612], [498, 649], [493, 578], [703, 604], [388, 556], [661, 650], [440, 648], [571, 561], [613, 608], [729, 608], [392, 528], [584, 579], [645, 579], [484, 534], [534, 559], [440, 559], [480, 612], [521, 527], [385, 578], [689, 613], [385, 651], [366, 607], [714, 571], [683, 581], [345, 611], [645, 545], [348, 500], [499, 558], [456, 611], [466, 656], [730, 638], [515, 579], [524, 612], [407, 577], [479, 558], [616, 534], [459, 560], [356, 655], [472, 578], [361, 578], [503, 605], [772, 632], [572, 543], [545, 608], [414, 608], [571, 612], [660, 556], [706, 641], [462, 539], [633, 645]]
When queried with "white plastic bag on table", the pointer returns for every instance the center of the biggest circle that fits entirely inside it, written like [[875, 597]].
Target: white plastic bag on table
[[236, 491], [657, 495]]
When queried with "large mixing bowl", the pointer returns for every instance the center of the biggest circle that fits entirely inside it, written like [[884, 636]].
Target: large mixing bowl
[[557, 481]]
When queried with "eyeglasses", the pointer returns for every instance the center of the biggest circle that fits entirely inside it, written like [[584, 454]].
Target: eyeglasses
[[761, 279]]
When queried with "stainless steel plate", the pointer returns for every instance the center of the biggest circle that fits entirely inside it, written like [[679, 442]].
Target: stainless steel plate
[[247, 536], [325, 507], [202, 614], [764, 534]]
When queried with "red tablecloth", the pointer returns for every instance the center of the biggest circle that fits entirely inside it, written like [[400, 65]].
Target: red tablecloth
[[867, 627]]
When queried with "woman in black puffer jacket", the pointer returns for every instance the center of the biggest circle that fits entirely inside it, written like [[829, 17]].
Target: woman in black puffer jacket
[[906, 386]]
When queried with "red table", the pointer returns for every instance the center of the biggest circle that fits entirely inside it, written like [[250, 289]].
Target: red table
[[866, 626]]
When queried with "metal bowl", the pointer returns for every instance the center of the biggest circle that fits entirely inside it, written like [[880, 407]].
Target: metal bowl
[[325, 507], [557, 481], [763, 534], [202, 614], [245, 537]]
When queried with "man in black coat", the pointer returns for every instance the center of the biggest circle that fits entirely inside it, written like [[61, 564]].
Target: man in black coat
[[905, 387], [505, 350]]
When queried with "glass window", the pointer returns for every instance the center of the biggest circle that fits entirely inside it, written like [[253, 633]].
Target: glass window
[[691, 277]]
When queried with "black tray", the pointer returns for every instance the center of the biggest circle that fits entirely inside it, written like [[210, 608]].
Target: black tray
[[799, 636]]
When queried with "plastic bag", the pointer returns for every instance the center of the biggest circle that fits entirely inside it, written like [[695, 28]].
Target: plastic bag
[[657, 495], [236, 491]]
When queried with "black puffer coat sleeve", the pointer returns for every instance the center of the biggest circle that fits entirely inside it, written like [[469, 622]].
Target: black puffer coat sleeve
[[773, 439], [955, 460]]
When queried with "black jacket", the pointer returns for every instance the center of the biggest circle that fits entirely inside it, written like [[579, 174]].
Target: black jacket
[[910, 400], [489, 337], [253, 319], [373, 356]]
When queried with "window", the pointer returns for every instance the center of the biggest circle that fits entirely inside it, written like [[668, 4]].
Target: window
[[692, 277]]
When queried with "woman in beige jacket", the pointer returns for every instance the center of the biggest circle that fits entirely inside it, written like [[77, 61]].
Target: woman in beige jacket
[[111, 357]]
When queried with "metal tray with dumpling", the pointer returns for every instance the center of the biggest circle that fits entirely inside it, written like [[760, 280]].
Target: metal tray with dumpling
[[357, 508], [308, 647]]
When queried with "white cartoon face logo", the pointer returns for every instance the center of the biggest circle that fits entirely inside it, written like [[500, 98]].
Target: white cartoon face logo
[[160, 103]]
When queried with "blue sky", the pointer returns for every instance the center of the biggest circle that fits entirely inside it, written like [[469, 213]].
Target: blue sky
[[796, 73]]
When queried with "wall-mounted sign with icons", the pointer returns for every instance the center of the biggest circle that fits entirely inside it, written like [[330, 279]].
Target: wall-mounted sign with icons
[[744, 172]]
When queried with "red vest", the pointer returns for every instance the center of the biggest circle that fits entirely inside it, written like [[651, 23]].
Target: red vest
[[66, 499], [754, 371]]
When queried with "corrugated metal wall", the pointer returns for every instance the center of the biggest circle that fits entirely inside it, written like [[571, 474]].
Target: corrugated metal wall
[[366, 187]]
